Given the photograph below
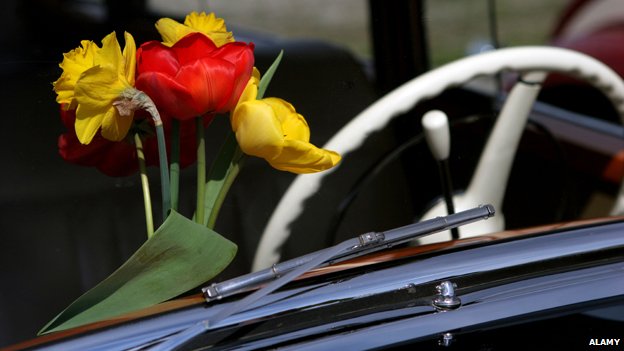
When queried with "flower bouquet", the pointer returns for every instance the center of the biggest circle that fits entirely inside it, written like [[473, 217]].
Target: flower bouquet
[[129, 109]]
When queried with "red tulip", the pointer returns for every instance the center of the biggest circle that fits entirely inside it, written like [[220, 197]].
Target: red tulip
[[119, 158], [115, 159], [194, 76]]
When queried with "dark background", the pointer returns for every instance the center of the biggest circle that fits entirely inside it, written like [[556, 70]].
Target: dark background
[[63, 227]]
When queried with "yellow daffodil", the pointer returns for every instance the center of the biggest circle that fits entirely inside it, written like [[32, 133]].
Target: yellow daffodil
[[271, 129], [74, 63], [94, 81], [208, 24]]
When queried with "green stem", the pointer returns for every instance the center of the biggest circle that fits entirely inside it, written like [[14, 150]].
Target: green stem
[[235, 166], [174, 170], [201, 169], [164, 169], [131, 100], [147, 200]]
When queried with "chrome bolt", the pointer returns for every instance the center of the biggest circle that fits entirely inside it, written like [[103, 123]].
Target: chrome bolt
[[446, 299], [446, 340]]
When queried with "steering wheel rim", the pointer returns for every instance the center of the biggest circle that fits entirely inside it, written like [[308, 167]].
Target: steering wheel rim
[[428, 85]]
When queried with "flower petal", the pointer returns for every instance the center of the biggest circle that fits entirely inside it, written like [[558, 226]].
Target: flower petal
[[205, 23], [250, 92], [258, 131], [96, 91], [129, 54], [302, 157], [242, 56], [88, 122], [170, 96], [294, 125], [110, 54], [151, 57], [192, 48], [214, 90], [99, 87], [115, 127], [171, 31]]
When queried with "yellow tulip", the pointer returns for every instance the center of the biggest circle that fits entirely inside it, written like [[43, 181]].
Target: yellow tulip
[[251, 89], [208, 24], [272, 129], [93, 81]]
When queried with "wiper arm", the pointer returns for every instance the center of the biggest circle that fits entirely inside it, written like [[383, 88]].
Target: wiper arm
[[361, 245], [291, 269]]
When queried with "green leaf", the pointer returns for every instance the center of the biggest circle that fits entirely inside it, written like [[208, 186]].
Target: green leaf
[[268, 75], [179, 257]]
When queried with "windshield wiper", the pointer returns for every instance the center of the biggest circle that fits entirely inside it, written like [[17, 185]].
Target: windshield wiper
[[358, 246], [283, 273]]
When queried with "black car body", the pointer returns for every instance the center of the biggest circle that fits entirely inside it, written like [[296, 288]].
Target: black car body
[[559, 286]]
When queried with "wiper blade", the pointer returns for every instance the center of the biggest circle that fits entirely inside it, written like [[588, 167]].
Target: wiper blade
[[291, 269], [361, 245]]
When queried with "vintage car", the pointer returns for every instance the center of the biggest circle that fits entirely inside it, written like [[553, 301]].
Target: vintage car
[[557, 286], [553, 281], [553, 286]]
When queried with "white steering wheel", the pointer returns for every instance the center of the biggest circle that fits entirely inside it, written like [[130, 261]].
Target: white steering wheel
[[490, 178]]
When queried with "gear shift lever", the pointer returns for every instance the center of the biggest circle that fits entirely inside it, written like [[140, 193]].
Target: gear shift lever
[[436, 128]]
